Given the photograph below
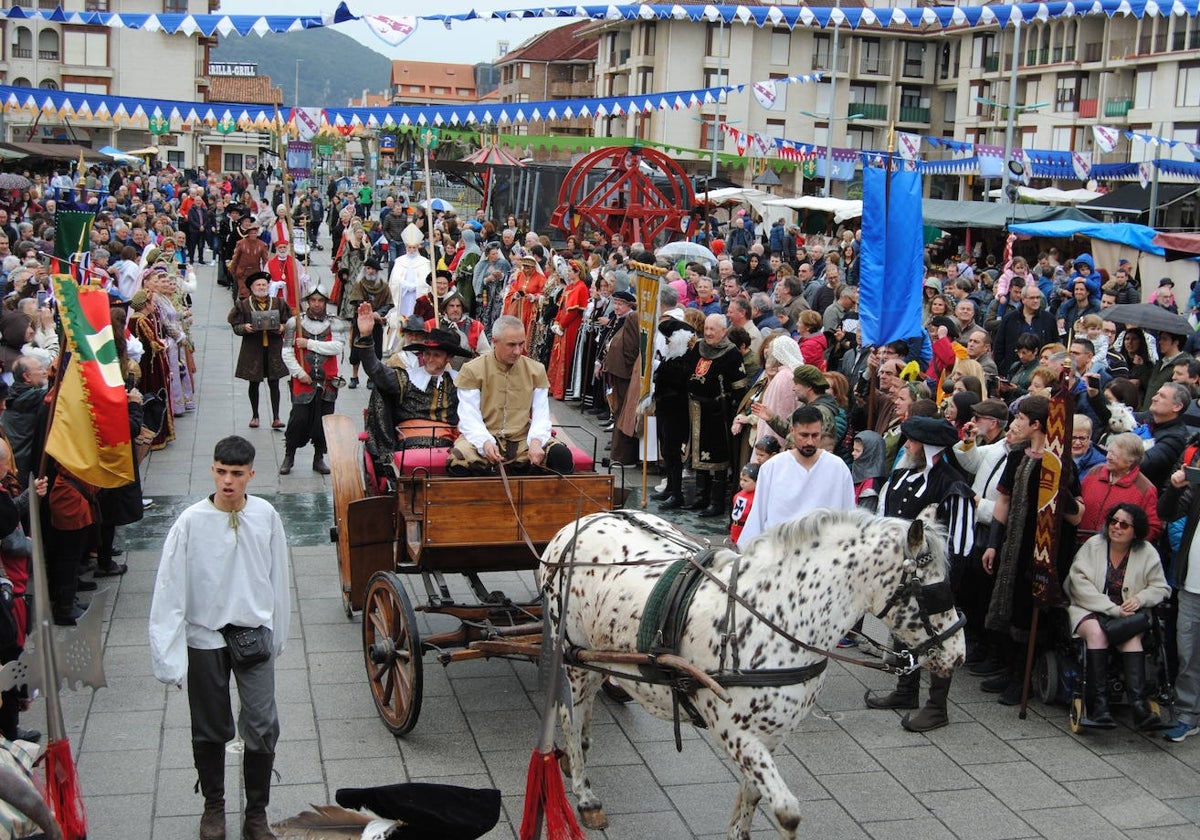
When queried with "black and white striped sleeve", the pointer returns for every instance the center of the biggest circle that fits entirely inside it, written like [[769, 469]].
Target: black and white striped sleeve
[[960, 523]]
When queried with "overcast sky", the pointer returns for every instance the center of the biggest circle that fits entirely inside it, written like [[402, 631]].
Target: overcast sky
[[465, 43]]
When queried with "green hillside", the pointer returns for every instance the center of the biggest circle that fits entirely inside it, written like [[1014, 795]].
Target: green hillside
[[333, 68]]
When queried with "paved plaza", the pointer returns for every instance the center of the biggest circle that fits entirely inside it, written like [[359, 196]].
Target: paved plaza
[[986, 776]]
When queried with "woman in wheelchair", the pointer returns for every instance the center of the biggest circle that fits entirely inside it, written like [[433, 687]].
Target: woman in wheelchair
[[1115, 579]]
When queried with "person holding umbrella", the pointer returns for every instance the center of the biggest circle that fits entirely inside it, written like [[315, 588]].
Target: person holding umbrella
[[313, 341]]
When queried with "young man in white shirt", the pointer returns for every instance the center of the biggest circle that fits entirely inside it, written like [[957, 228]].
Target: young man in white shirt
[[225, 564]]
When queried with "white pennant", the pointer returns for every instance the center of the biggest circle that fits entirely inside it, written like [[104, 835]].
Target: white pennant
[[1106, 138]]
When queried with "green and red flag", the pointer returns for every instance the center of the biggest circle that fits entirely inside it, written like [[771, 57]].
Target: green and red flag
[[89, 432]]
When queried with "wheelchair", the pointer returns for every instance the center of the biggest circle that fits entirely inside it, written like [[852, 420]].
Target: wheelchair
[[1060, 676]]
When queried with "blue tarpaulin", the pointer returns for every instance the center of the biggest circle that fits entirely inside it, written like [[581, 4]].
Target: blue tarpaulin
[[1123, 233]]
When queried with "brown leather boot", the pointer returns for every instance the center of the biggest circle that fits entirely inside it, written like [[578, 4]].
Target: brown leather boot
[[210, 767]]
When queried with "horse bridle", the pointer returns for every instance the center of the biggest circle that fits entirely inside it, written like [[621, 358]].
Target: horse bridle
[[932, 599]]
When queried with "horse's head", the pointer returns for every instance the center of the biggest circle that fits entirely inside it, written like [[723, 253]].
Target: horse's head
[[921, 608]]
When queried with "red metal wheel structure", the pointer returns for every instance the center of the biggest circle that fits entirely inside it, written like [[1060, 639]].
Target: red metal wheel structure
[[609, 191]]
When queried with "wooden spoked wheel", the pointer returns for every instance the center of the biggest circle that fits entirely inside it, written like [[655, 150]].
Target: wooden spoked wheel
[[392, 649]]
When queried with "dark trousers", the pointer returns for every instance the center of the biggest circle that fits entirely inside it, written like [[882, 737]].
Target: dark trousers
[[304, 424], [212, 710], [66, 552]]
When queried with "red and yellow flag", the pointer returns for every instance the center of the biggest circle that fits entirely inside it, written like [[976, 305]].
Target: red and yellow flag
[[89, 433]]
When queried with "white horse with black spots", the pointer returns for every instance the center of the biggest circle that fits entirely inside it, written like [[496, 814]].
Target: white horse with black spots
[[813, 578]]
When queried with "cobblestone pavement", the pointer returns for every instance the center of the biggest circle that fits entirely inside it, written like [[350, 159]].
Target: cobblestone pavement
[[986, 776]]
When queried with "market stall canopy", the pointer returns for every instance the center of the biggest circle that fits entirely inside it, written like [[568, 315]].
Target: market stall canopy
[[1134, 199], [1052, 195], [737, 195], [839, 207], [53, 151], [1179, 246], [118, 155], [978, 214]]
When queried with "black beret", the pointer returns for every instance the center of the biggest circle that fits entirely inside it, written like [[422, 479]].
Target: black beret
[[931, 430]]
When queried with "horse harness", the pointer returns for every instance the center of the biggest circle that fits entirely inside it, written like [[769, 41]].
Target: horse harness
[[665, 618]]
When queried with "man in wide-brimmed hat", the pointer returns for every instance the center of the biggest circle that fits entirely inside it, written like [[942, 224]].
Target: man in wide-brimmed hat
[[422, 401], [250, 255], [927, 479]]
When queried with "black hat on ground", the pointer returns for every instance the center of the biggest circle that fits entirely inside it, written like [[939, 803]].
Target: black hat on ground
[[930, 430], [445, 812]]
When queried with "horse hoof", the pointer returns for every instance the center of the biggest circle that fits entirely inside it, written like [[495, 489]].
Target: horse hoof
[[593, 818]]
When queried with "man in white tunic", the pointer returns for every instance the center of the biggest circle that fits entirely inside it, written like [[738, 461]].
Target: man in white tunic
[[799, 480], [225, 564]]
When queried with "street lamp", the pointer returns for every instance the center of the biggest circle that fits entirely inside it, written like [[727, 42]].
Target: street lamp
[[829, 134], [1009, 126], [299, 61]]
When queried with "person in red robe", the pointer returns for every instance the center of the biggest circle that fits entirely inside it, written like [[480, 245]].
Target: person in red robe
[[524, 292], [289, 279], [571, 307]]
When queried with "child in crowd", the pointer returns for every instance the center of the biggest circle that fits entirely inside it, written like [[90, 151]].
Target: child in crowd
[[764, 449], [743, 499]]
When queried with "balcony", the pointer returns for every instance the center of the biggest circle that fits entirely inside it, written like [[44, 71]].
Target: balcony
[[869, 112], [1118, 107], [562, 88], [1034, 57], [875, 66], [1148, 44], [1093, 51], [824, 64], [911, 114], [22, 52], [48, 55], [991, 63], [1088, 108]]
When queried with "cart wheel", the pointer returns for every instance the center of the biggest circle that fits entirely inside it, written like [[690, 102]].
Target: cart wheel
[[1076, 714], [392, 648], [1045, 677]]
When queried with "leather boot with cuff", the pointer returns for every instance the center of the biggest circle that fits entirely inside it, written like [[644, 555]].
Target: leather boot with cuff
[[1095, 697], [210, 768], [933, 714], [1144, 718], [289, 461], [256, 772], [904, 696]]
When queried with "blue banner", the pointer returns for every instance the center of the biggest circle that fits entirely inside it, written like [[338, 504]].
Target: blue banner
[[893, 257]]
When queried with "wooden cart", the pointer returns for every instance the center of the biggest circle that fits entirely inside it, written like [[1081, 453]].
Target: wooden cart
[[436, 525]]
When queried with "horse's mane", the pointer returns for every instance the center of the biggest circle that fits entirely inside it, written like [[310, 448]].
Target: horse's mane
[[817, 525]]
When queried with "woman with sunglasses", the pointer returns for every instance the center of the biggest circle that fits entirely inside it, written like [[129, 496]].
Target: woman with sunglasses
[[1116, 574]]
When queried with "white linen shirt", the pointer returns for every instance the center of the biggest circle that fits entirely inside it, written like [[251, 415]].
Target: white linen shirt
[[218, 568], [786, 491]]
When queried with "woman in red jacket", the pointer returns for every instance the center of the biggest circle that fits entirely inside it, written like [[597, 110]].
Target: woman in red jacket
[[1118, 480]]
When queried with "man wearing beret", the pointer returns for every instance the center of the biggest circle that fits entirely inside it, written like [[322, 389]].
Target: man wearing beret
[[926, 478]]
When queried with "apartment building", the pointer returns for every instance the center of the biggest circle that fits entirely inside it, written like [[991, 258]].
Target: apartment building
[[96, 59], [558, 64], [1137, 75]]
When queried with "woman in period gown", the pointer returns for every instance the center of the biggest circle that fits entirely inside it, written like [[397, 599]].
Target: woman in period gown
[[155, 370], [524, 292], [571, 306]]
